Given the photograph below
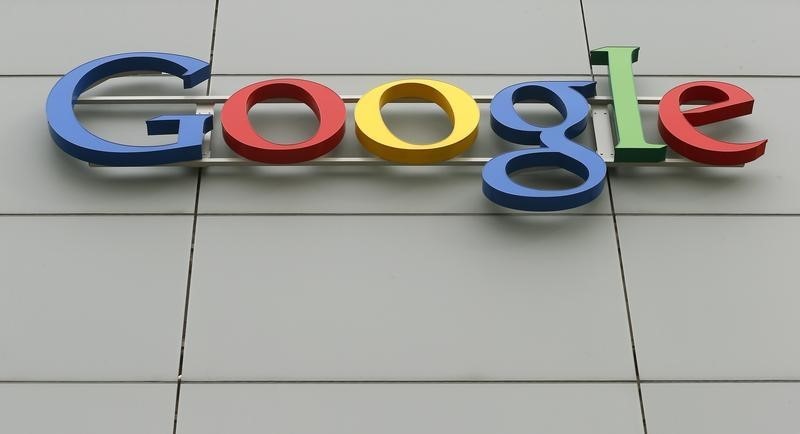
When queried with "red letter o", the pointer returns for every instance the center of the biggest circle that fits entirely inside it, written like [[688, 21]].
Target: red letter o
[[245, 141]]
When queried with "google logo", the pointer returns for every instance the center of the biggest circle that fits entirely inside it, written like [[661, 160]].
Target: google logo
[[550, 146]]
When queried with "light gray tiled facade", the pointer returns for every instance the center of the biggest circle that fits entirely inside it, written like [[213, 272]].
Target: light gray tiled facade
[[395, 299]]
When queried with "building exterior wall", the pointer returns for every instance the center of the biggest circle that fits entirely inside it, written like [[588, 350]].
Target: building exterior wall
[[396, 299]]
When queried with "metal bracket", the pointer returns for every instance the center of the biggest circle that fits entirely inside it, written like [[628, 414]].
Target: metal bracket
[[205, 109]]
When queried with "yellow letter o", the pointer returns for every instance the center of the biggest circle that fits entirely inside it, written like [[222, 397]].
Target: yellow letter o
[[376, 137]]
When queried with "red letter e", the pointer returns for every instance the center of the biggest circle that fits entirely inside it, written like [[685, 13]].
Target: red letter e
[[727, 102]]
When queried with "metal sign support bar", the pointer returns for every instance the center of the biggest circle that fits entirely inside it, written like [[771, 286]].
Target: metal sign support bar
[[349, 99], [601, 120]]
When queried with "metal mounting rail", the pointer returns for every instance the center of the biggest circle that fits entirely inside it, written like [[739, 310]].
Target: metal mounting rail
[[601, 120], [372, 161], [349, 99]]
